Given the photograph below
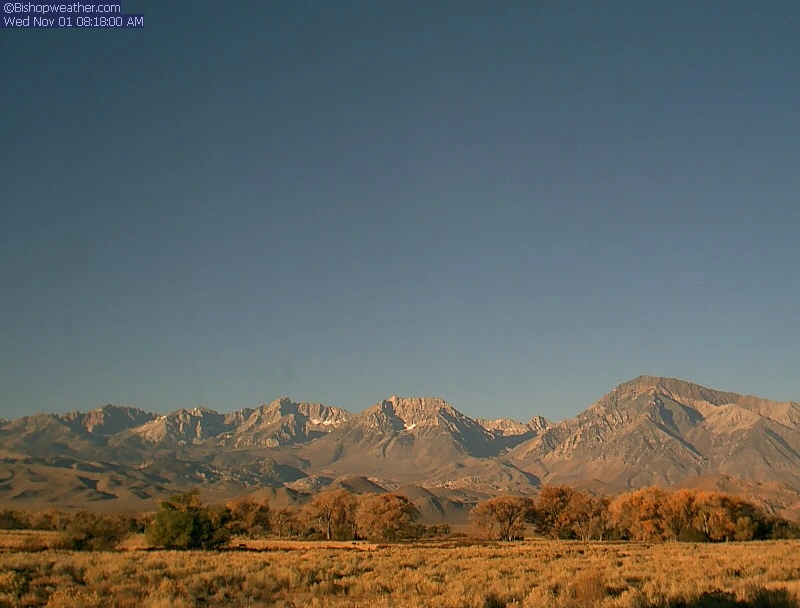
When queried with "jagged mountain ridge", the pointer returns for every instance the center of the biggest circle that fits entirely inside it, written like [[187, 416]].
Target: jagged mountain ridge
[[397, 430], [108, 419], [279, 423], [284, 422], [419, 438], [649, 430], [510, 428]]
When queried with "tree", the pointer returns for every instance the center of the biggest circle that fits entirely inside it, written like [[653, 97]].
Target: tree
[[385, 516], [724, 517], [184, 523], [552, 511], [678, 511], [642, 515], [652, 514], [503, 517], [333, 512], [186, 500], [284, 521], [588, 516], [249, 517], [779, 528]]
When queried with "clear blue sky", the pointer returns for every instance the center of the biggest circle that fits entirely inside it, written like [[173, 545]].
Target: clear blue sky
[[514, 206]]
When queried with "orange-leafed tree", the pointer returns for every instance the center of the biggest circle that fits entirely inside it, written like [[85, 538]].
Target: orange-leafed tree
[[285, 521], [678, 512], [552, 511], [588, 516], [249, 516], [725, 517], [640, 515], [503, 517], [333, 512], [384, 516]]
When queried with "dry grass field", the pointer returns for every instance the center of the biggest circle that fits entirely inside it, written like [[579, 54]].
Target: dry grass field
[[444, 574]]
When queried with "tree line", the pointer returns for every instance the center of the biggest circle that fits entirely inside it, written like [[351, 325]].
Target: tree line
[[651, 514], [184, 521]]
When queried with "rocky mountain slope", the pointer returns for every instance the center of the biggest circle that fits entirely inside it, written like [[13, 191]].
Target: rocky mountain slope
[[421, 432], [663, 431], [647, 431]]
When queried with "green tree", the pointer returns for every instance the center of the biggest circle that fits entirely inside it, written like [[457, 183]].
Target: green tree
[[92, 532], [184, 523]]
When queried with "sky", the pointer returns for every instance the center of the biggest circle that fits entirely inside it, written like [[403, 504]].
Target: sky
[[513, 206]]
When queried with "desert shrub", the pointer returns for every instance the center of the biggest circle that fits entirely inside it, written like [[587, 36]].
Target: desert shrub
[[11, 519], [33, 544], [11, 583], [493, 600], [437, 531], [588, 587], [449, 575], [72, 597], [90, 532], [49, 520], [184, 523], [758, 597]]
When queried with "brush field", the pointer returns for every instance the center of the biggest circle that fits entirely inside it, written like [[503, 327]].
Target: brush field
[[556, 574]]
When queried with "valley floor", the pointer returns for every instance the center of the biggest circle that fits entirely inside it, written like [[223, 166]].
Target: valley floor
[[445, 574]]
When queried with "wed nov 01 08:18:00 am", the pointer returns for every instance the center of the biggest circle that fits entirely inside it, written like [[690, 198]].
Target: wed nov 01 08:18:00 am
[[82, 21]]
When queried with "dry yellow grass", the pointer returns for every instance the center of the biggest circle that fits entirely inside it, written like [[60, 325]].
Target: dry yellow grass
[[26, 540], [530, 574]]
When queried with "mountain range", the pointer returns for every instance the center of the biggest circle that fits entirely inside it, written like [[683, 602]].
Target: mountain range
[[648, 431]]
